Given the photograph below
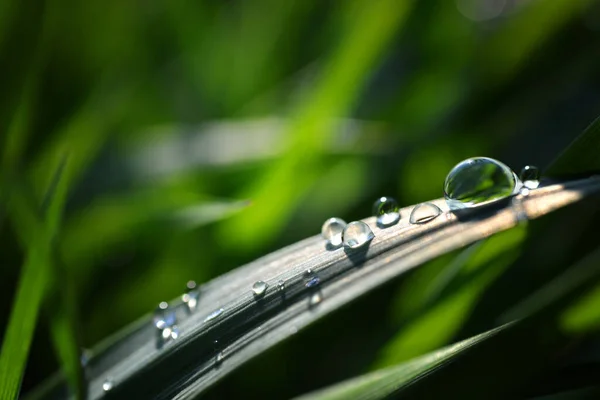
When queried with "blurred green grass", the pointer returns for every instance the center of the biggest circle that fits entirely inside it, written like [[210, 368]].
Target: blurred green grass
[[425, 83]]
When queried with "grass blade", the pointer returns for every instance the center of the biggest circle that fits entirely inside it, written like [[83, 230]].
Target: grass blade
[[32, 284], [246, 328], [381, 384], [581, 156]]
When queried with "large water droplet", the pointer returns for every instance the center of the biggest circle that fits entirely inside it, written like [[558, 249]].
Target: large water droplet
[[311, 279], [387, 211], [424, 213], [190, 298], [332, 231], [107, 385], [259, 288], [357, 234], [478, 181], [530, 176], [213, 315]]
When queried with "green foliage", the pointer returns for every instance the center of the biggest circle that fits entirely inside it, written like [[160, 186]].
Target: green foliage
[[201, 135]]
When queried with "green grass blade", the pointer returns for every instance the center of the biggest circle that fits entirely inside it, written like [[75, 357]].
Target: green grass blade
[[33, 283], [581, 156], [381, 384], [370, 28]]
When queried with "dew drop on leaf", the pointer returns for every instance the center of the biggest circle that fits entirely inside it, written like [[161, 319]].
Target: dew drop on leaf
[[315, 298], [332, 231], [259, 288], [357, 234], [311, 279], [163, 316], [213, 315], [423, 213], [107, 385], [478, 181], [191, 296], [387, 211], [530, 176], [281, 286]]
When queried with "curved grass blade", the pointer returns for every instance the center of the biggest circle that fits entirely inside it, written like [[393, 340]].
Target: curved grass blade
[[533, 315], [581, 156], [381, 384], [246, 327], [34, 280]]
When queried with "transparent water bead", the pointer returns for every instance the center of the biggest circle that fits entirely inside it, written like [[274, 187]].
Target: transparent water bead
[[281, 286], [357, 234], [387, 211], [423, 213], [213, 315], [315, 298], [190, 298], [530, 176], [478, 181], [332, 231], [259, 288], [163, 316], [107, 385], [311, 279]]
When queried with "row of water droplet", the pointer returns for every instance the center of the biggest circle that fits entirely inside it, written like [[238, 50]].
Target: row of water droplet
[[472, 183]]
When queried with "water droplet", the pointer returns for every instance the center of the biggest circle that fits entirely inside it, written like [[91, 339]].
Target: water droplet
[[163, 316], [107, 384], [530, 176], [220, 356], [190, 298], [315, 299], [311, 279], [357, 234], [170, 333], [213, 315], [423, 213], [259, 288], [85, 356], [293, 330], [478, 181], [281, 286], [387, 211], [332, 231]]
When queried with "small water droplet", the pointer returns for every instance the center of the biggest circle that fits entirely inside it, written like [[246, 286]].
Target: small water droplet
[[311, 279], [259, 288], [332, 231], [478, 181], [293, 330], [191, 297], [281, 286], [357, 234], [220, 356], [213, 315], [107, 385], [530, 176], [85, 356], [163, 316], [524, 191], [387, 211], [424, 213], [315, 298]]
